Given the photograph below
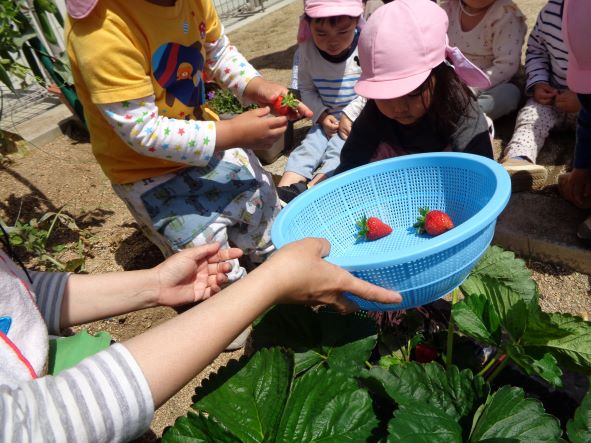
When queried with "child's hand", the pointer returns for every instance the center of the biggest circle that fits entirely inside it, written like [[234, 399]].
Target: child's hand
[[576, 187], [345, 125], [544, 94], [301, 275], [255, 129], [193, 274], [329, 124], [265, 93], [567, 101]]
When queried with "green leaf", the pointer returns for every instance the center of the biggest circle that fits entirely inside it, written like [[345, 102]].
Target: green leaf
[[503, 267], [197, 428], [259, 400], [423, 424], [567, 337], [545, 367], [454, 392], [510, 417], [327, 406], [250, 403], [475, 316], [579, 427], [342, 342], [5, 78]]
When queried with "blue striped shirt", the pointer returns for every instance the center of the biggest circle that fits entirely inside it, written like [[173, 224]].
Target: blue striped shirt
[[546, 57]]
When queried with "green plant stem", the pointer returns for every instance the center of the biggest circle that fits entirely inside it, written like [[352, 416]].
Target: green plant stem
[[450, 330], [498, 369], [489, 365]]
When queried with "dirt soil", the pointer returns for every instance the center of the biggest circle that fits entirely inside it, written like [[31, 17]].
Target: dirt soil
[[65, 174]]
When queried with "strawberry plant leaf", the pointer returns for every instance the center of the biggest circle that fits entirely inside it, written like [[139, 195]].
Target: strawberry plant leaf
[[475, 316], [545, 367], [258, 390], [423, 423], [566, 337], [197, 428], [328, 406], [509, 416], [342, 342], [453, 392], [506, 270], [260, 400], [579, 427]]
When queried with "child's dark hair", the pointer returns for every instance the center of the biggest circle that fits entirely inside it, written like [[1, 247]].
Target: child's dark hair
[[332, 21], [449, 100]]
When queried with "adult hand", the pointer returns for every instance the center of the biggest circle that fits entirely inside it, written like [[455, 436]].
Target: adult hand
[[345, 125], [254, 129], [576, 187], [544, 94], [193, 274], [329, 124], [302, 276], [265, 93], [567, 101]]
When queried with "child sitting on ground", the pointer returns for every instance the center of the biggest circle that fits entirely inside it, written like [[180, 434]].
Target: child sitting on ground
[[490, 33], [184, 179], [416, 100], [327, 72], [551, 103]]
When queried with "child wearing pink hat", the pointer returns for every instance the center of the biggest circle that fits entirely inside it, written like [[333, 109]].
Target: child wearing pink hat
[[417, 101], [576, 185], [327, 72]]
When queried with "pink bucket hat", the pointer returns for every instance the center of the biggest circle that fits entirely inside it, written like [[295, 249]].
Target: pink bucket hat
[[333, 8], [80, 8], [328, 8], [401, 43], [576, 23]]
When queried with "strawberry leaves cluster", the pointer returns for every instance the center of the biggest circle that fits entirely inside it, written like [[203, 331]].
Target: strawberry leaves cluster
[[285, 103]]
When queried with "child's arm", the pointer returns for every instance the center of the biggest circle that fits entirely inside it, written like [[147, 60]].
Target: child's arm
[[349, 115], [363, 140], [193, 142], [472, 134], [537, 59], [508, 35]]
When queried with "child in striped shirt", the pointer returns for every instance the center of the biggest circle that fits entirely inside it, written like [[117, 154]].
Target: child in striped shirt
[[551, 103], [327, 72]]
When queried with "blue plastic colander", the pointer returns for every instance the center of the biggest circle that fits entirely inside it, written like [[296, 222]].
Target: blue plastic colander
[[472, 189]]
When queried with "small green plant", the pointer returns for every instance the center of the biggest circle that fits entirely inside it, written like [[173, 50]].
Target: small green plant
[[223, 101], [33, 236]]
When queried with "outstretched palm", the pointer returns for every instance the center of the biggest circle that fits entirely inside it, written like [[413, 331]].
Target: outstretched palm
[[194, 274]]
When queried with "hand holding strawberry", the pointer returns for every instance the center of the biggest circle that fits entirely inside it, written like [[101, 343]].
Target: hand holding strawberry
[[433, 222], [372, 228], [265, 93]]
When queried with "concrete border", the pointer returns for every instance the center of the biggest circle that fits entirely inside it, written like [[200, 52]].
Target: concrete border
[[540, 248]]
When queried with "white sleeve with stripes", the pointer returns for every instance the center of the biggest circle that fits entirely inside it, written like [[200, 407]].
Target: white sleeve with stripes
[[49, 289], [105, 398]]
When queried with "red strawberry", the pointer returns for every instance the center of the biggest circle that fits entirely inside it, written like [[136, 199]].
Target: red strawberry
[[372, 228], [283, 104], [433, 222], [425, 353]]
